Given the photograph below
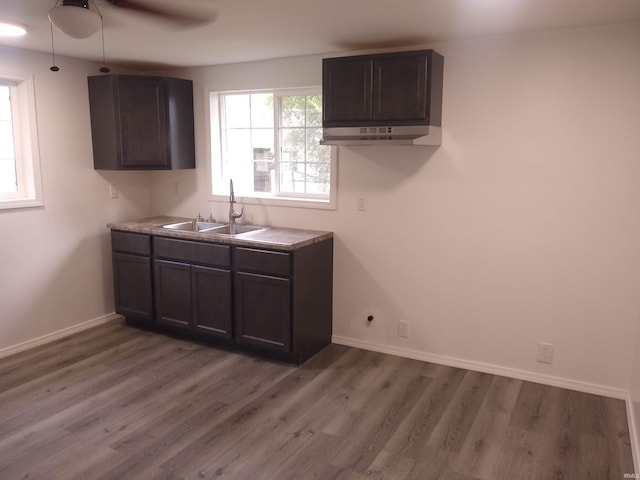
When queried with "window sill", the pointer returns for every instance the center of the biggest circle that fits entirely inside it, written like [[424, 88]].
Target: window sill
[[279, 202], [20, 203]]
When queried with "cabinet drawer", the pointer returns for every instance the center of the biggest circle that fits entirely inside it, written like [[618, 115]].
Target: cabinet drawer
[[126, 242], [263, 261], [192, 252]]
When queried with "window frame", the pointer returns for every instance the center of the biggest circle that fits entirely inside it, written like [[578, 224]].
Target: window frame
[[26, 148], [219, 190]]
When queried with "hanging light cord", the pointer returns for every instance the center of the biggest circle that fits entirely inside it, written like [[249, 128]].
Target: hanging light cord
[[104, 68], [54, 67]]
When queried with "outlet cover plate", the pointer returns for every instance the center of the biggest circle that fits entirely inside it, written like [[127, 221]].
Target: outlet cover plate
[[545, 352], [403, 329]]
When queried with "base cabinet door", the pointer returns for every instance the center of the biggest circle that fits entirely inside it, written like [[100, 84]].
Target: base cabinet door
[[211, 294], [263, 310], [132, 286], [173, 293]]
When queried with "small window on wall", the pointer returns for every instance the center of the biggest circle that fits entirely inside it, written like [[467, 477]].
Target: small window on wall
[[269, 144], [20, 182]]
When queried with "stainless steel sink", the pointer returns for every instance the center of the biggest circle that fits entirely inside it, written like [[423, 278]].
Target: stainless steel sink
[[238, 229], [191, 226], [212, 228]]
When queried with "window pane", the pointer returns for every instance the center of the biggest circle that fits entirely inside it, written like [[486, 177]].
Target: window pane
[[318, 177], [263, 160], [262, 138], [262, 110], [237, 111], [238, 145], [263, 169], [315, 151], [5, 103], [314, 111], [293, 111], [238, 157], [293, 145], [8, 182], [8, 177], [293, 177], [317, 188], [6, 140], [305, 164]]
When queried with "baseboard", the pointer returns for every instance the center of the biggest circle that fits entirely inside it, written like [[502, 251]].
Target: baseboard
[[484, 367], [51, 337], [633, 433]]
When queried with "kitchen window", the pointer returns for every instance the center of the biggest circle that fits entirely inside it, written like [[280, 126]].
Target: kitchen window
[[20, 182], [268, 142]]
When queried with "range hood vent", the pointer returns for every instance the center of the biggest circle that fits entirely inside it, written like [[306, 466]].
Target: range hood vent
[[383, 99], [404, 135]]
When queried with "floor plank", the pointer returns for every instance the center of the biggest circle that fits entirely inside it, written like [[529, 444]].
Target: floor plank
[[115, 402]]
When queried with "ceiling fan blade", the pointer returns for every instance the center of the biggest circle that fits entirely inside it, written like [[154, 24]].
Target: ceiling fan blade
[[174, 16]]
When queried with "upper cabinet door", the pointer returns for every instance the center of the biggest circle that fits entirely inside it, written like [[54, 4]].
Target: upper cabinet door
[[141, 122], [400, 88], [347, 87]]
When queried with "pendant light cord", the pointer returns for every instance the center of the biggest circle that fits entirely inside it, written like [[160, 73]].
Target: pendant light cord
[[104, 68], [54, 67]]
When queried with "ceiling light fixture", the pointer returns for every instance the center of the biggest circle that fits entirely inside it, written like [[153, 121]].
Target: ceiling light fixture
[[11, 30], [75, 18]]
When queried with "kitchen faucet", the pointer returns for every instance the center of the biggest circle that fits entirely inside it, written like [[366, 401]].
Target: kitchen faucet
[[232, 213]]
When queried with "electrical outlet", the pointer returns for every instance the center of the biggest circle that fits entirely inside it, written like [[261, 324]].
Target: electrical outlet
[[113, 191], [545, 352], [362, 204], [403, 329]]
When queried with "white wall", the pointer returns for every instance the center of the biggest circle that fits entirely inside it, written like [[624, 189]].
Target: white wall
[[55, 261], [522, 227]]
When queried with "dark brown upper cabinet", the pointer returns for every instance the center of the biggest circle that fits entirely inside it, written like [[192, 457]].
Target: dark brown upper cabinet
[[403, 88], [141, 122]]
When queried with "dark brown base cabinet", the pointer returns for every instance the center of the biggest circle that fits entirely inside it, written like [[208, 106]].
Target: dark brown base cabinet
[[269, 302], [132, 276]]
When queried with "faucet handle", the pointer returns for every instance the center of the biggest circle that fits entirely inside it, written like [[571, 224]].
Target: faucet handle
[[233, 214], [211, 219], [199, 218]]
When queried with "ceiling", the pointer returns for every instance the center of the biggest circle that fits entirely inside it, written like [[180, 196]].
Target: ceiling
[[247, 30]]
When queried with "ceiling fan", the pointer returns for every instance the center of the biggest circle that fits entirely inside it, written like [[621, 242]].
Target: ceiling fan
[[78, 20]]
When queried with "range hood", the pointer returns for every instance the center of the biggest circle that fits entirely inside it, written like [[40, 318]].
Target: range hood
[[383, 99], [402, 135]]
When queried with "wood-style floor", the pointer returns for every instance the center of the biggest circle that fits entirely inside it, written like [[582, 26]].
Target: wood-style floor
[[115, 402]]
